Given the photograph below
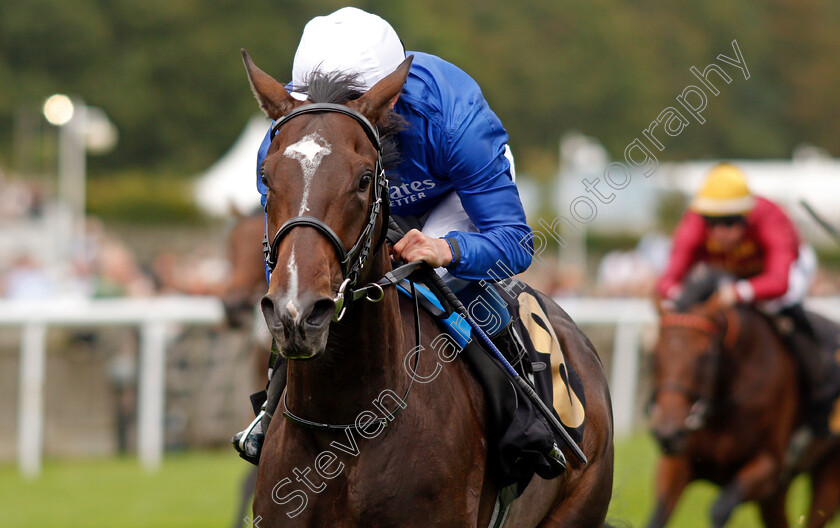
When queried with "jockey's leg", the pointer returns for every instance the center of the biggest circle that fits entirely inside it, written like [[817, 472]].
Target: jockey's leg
[[248, 442], [820, 373]]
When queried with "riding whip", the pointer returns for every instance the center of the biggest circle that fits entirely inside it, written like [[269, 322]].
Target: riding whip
[[830, 229]]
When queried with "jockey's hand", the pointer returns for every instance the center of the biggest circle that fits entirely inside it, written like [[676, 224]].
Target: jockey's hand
[[725, 297], [417, 246], [727, 294]]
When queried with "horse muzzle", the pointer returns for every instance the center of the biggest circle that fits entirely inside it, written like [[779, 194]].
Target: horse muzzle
[[239, 307], [672, 440], [299, 326]]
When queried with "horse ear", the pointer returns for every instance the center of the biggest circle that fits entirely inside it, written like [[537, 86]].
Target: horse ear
[[274, 100], [376, 102]]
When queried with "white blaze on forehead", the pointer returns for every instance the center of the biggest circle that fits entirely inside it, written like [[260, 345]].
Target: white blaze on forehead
[[309, 152]]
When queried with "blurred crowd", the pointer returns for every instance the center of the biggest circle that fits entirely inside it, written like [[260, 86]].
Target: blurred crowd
[[101, 264], [104, 265]]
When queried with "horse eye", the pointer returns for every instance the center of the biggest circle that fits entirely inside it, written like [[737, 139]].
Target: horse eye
[[263, 179], [364, 182]]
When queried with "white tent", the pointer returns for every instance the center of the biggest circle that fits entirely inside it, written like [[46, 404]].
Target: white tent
[[231, 181]]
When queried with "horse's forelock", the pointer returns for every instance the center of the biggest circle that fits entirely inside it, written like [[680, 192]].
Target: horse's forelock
[[334, 87], [341, 88]]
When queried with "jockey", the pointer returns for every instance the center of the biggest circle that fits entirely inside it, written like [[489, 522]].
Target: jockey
[[455, 177], [753, 239]]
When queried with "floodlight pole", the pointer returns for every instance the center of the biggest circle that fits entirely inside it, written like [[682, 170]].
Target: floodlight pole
[[72, 169]]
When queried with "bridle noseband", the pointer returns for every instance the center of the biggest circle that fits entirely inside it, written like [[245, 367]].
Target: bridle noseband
[[354, 260]]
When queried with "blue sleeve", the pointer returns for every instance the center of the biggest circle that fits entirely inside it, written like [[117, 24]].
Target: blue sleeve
[[261, 154], [478, 169]]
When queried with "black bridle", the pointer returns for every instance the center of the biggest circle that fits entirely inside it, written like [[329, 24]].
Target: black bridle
[[352, 261]]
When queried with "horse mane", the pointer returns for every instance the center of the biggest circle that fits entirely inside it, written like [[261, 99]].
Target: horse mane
[[700, 284], [341, 87]]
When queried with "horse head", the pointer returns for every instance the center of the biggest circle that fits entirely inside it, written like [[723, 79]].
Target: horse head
[[246, 283], [687, 371], [325, 188]]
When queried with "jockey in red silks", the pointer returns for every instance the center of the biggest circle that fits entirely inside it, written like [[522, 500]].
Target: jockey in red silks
[[752, 238]]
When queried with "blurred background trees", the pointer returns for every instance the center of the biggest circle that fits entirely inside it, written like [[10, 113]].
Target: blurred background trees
[[169, 73]]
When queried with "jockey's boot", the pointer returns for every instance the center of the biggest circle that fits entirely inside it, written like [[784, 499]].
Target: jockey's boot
[[820, 373], [249, 442], [513, 348]]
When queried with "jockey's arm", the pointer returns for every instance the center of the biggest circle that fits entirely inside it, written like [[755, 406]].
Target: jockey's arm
[[687, 240], [474, 159], [261, 154], [780, 242]]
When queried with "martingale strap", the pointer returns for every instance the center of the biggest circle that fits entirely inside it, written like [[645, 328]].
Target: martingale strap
[[390, 279]]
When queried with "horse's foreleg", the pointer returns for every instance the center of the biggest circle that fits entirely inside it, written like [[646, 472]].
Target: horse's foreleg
[[249, 484], [773, 509], [757, 481], [672, 476], [826, 485], [587, 503]]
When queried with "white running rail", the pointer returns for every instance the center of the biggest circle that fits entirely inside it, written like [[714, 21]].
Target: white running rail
[[154, 316]]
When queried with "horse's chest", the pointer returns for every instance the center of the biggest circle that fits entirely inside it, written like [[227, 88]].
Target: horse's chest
[[351, 483], [717, 456]]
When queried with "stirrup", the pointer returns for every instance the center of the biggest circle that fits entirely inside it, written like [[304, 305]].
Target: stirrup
[[248, 430], [556, 462], [557, 456], [241, 439]]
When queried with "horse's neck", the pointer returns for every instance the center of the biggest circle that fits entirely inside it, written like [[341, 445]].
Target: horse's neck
[[755, 342], [363, 357]]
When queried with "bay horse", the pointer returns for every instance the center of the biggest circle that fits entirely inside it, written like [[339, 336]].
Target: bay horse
[[429, 466], [726, 405], [246, 284]]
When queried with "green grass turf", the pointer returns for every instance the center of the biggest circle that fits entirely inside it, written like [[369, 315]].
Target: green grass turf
[[199, 489], [633, 493]]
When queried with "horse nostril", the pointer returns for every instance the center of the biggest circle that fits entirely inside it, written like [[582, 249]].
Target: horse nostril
[[270, 314], [321, 314]]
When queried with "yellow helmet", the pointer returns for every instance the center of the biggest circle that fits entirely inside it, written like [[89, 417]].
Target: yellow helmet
[[724, 193]]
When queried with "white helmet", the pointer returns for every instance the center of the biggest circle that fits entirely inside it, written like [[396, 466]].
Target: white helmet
[[349, 40]]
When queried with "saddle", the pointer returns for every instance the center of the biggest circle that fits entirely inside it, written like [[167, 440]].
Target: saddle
[[514, 316]]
